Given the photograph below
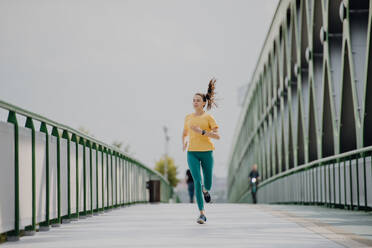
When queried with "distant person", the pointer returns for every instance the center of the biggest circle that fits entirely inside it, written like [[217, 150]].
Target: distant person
[[190, 185], [254, 178], [200, 127]]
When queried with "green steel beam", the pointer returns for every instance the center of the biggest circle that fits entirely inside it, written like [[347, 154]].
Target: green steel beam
[[307, 101]]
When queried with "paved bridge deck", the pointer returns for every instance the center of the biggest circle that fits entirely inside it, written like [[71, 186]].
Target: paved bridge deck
[[229, 225]]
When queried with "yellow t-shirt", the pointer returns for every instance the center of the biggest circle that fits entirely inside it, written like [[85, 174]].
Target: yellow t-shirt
[[198, 142]]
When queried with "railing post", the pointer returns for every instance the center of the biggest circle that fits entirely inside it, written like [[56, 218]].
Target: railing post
[[14, 235], [57, 135], [82, 142], [357, 180], [116, 179], [339, 181], [103, 178], [45, 225], [129, 181], [334, 183], [89, 145], [111, 204], [322, 183], [66, 136], [351, 185], [107, 180], [75, 139], [345, 200], [121, 180], [96, 147], [124, 181], [365, 180], [31, 229], [313, 177]]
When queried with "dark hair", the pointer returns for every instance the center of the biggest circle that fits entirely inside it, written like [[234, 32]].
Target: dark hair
[[210, 96]]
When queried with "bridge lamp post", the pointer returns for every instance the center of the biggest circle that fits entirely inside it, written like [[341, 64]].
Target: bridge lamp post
[[166, 152]]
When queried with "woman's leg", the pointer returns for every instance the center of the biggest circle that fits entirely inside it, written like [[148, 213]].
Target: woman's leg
[[207, 166], [194, 165]]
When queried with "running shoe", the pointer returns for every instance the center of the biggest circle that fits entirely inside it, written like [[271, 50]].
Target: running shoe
[[202, 219], [207, 196]]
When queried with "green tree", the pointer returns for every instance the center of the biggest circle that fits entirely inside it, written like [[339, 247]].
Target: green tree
[[117, 144], [85, 131], [171, 169], [126, 149]]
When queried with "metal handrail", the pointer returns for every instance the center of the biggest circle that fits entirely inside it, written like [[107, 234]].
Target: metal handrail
[[34, 116], [315, 163], [61, 131]]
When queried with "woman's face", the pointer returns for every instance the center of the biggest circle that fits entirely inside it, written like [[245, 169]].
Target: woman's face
[[197, 102]]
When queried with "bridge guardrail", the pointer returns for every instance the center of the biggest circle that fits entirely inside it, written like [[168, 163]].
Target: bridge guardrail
[[55, 174], [343, 180]]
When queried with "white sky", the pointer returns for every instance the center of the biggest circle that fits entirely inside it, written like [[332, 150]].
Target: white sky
[[123, 69]]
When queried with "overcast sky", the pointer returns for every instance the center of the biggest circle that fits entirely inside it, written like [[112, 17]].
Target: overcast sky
[[123, 69]]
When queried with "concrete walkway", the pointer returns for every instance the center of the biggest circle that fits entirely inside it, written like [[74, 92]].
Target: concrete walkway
[[229, 225]]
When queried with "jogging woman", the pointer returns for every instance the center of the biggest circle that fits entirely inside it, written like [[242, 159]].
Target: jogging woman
[[200, 127]]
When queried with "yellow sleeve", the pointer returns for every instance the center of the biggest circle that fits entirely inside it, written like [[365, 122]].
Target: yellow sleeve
[[212, 122]]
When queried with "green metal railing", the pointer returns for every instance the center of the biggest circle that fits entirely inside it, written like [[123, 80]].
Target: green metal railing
[[123, 179], [342, 180]]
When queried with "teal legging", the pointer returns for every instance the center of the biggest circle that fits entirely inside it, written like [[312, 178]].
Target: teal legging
[[205, 159]]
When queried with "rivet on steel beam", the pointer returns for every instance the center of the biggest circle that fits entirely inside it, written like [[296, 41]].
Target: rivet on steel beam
[[286, 82], [296, 69], [342, 11], [308, 54], [322, 35]]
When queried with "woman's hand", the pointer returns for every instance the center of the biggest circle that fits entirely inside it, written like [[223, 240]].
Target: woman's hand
[[184, 140], [196, 129], [184, 145], [214, 134]]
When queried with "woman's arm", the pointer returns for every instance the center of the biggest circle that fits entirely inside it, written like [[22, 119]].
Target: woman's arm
[[184, 141], [212, 134]]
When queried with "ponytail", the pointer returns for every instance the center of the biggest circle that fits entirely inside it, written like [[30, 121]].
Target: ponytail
[[209, 97]]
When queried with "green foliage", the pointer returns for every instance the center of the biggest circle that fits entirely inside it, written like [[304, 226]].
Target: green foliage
[[85, 131], [172, 170], [117, 144], [124, 147]]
